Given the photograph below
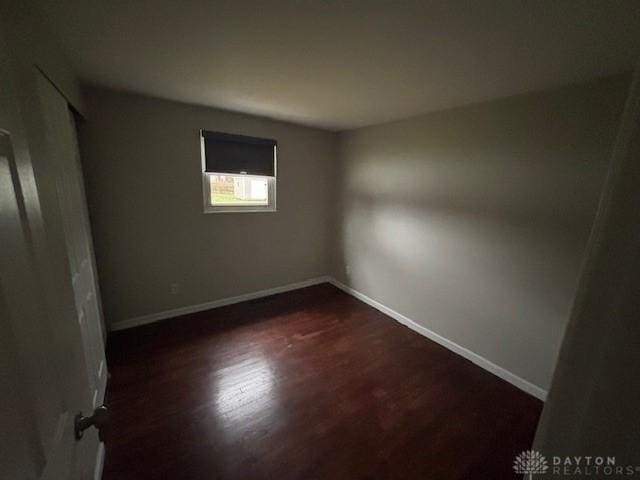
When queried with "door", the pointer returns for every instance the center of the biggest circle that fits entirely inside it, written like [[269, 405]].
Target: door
[[51, 355], [62, 147]]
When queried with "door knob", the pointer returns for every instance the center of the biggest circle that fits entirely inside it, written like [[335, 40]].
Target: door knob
[[98, 419]]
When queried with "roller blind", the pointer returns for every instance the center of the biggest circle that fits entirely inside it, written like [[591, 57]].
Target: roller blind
[[239, 154]]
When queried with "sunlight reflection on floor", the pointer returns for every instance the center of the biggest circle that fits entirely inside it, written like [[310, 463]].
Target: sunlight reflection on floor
[[246, 390]]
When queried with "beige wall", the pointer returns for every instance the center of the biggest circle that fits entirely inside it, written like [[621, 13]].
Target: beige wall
[[143, 176], [473, 221], [34, 46]]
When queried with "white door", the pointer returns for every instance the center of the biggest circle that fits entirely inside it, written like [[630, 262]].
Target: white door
[[51, 354], [62, 146]]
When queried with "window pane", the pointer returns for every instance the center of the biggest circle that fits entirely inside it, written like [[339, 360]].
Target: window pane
[[240, 190]]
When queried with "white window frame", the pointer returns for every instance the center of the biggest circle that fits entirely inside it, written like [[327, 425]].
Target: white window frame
[[206, 189]]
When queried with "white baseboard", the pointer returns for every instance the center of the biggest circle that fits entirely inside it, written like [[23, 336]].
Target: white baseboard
[[176, 312], [512, 378], [97, 473]]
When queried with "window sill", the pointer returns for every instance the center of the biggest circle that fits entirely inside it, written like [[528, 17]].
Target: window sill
[[239, 210]]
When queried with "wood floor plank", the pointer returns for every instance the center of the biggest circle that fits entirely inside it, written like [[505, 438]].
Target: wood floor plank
[[310, 384]]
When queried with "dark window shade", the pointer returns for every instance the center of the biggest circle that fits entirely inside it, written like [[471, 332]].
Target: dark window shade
[[226, 153]]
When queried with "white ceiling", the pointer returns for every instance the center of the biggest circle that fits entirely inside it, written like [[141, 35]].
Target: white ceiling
[[344, 64]]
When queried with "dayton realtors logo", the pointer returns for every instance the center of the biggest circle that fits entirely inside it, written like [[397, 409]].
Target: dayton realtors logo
[[531, 462]]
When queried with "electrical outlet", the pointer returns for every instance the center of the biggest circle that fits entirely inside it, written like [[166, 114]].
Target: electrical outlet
[[347, 270], [174, 288]]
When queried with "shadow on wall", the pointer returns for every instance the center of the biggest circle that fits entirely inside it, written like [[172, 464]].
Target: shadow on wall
[[474, 280], [473, 222]]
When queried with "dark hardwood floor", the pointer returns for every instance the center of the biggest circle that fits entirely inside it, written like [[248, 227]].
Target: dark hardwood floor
[[310, 384]]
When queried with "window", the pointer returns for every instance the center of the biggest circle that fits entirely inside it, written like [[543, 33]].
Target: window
[[239, 173]]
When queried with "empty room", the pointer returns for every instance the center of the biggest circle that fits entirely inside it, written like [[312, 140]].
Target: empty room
[[319, 239]]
